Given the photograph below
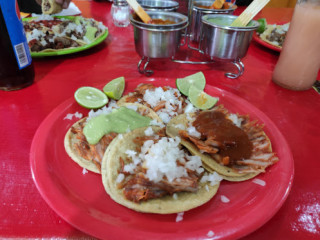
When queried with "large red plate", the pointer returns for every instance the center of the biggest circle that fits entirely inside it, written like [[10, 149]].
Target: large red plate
[[81, 200]]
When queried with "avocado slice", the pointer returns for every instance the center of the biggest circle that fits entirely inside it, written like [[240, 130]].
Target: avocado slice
[[91, 32]]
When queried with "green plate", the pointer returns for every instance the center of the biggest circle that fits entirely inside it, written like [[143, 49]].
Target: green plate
[[68, 50]]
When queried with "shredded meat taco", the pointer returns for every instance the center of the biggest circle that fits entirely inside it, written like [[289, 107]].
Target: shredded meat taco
[[147, 171], [89, 156], [229, 144]]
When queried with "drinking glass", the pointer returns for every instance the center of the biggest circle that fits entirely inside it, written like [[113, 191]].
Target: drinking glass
[[299, 61]]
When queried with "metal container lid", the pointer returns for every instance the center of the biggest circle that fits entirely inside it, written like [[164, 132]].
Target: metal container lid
[[159, 5], [120, 2]]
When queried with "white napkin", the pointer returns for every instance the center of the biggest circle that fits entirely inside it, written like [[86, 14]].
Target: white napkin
[[71, 10]]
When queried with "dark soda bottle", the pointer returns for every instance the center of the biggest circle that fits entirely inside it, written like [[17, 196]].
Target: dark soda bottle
[[16, 68]]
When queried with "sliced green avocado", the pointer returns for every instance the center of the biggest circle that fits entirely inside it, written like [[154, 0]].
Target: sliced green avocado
[[77, 20], [91, 32]]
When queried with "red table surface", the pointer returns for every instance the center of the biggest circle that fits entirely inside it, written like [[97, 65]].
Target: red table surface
[[24, 214]]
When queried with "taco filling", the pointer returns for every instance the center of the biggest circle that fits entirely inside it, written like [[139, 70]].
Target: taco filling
[[275, 34], [90, 152], [166, 101], [158, 167], [231, 140]]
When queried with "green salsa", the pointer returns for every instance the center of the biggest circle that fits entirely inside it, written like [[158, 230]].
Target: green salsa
[[224, 22], [119, 121]]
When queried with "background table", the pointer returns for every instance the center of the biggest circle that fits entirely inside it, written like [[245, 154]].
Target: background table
[[24, 214]]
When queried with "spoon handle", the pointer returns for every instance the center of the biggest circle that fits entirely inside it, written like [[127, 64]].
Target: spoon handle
[[248, 14], [139, 11]]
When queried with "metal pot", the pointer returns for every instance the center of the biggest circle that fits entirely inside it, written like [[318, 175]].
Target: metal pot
[[198, 11], [158, 5], [220, 42], [159, 41]]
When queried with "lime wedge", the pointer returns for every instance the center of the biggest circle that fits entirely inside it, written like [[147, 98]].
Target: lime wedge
[[200, 99], [197, 79], [90, 97], [114, 88], [262, 25]]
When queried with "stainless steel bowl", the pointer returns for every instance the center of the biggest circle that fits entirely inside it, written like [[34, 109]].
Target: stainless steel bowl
[[220, 42], [159, 5], [198, 11], [159, 41]]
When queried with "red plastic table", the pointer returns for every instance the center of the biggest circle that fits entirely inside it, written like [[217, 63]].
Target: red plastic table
[[24, 214]]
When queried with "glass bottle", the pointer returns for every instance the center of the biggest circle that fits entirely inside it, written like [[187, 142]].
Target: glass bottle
[[299, 61], [16, 69], [120, 12]]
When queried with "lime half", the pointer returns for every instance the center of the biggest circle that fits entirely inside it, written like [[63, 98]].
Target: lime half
[[198, 80], [90, 97], [262, 25], [114, 88], [200, 99]]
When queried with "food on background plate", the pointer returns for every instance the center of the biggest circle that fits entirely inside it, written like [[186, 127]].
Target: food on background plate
[[149, 172], [49, 34], [50, 7], [227, 143], [87, 140], [275, 34]]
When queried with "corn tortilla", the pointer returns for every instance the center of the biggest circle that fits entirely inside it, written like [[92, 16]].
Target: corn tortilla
[[164, 205]]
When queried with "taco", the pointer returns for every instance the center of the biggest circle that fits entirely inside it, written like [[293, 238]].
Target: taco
[[230, 144], [89, 156], [166, 101], [148, 172], [50, 7], [275, 34]]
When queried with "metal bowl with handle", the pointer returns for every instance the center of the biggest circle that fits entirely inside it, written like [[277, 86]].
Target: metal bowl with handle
[[200, 9], [156, 40], [219, 41]]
